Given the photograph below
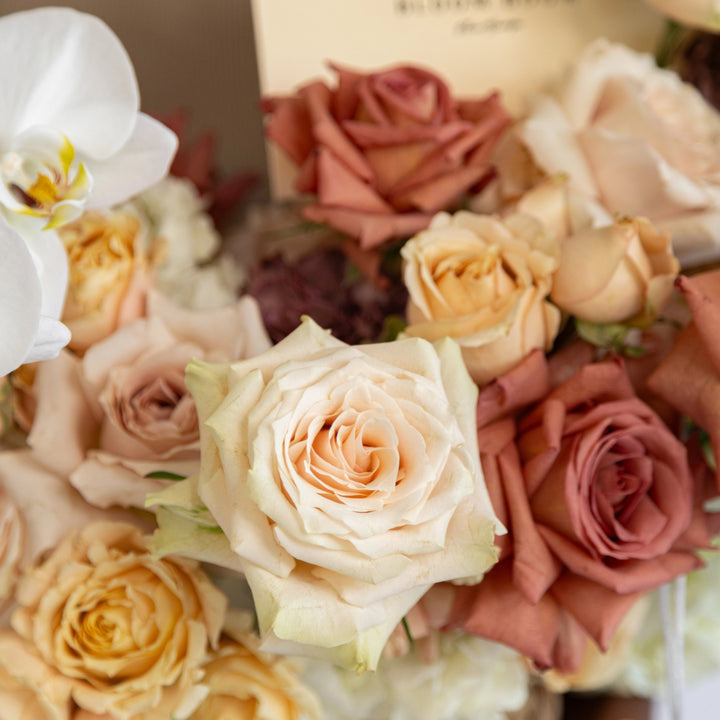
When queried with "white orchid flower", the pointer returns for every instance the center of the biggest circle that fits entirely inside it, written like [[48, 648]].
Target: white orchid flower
[[71, 135], [71, 138]]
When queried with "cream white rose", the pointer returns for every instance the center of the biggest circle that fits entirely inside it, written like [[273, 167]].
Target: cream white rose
[[123, 411], [104, 623], [345, 481], [484, 282], [634, 139], [617, 273], [246, 684]]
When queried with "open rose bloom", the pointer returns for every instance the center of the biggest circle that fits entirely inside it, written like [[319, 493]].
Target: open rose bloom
[[107, 420], [344, 482], [600, 503], [104, 624], [384, 151]]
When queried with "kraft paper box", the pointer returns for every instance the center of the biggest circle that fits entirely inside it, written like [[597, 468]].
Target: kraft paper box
[[515, 46]]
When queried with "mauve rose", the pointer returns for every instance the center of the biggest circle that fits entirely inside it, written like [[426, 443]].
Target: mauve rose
[[599, 498], [384, 151], [123, 412], [688, 376]]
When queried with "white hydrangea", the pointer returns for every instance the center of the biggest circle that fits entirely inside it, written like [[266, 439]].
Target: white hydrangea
[[644, 673], [472, 679], [177, 230]]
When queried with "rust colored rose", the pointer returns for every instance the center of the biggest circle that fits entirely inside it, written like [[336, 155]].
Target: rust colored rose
[[384, 151], [599, 499]]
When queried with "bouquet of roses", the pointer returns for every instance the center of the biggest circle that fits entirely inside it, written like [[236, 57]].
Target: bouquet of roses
[[429, 448]]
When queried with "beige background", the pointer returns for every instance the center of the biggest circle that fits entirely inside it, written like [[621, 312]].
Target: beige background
[[200, 54]]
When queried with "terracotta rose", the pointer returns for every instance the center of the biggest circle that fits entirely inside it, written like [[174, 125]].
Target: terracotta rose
[[384, 151], [689, 376], [598, 497]]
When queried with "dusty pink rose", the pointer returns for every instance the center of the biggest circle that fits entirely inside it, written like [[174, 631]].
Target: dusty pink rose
[[123, 411], [688, 377], [384, 151], [598, 496]]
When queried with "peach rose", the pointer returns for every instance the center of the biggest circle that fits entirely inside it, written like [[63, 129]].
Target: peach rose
[[342, 481], [247, 684], [599, 498], [109, 276], [123, 411], [618, 273], [384, 151], [634, 139], [119, 632], [483, 282]]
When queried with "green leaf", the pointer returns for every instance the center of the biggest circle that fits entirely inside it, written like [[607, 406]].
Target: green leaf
[[164, 475], [392, 327], [609, 336], [408, 633]]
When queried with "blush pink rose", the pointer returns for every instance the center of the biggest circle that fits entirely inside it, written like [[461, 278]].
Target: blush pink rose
[[384, 151], [633, 140], [599, 498]]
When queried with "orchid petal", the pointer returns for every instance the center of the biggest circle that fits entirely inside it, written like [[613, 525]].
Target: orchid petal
[[51, 265], [73, 75], [144, 160], [20, 300]]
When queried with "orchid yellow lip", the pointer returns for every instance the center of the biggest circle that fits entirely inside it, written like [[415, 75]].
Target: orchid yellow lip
[[41, 178]]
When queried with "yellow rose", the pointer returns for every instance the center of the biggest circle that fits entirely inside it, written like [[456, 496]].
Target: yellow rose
[[246, 684], [109, 276], [484, 282], [104, 623], [617, 273]]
